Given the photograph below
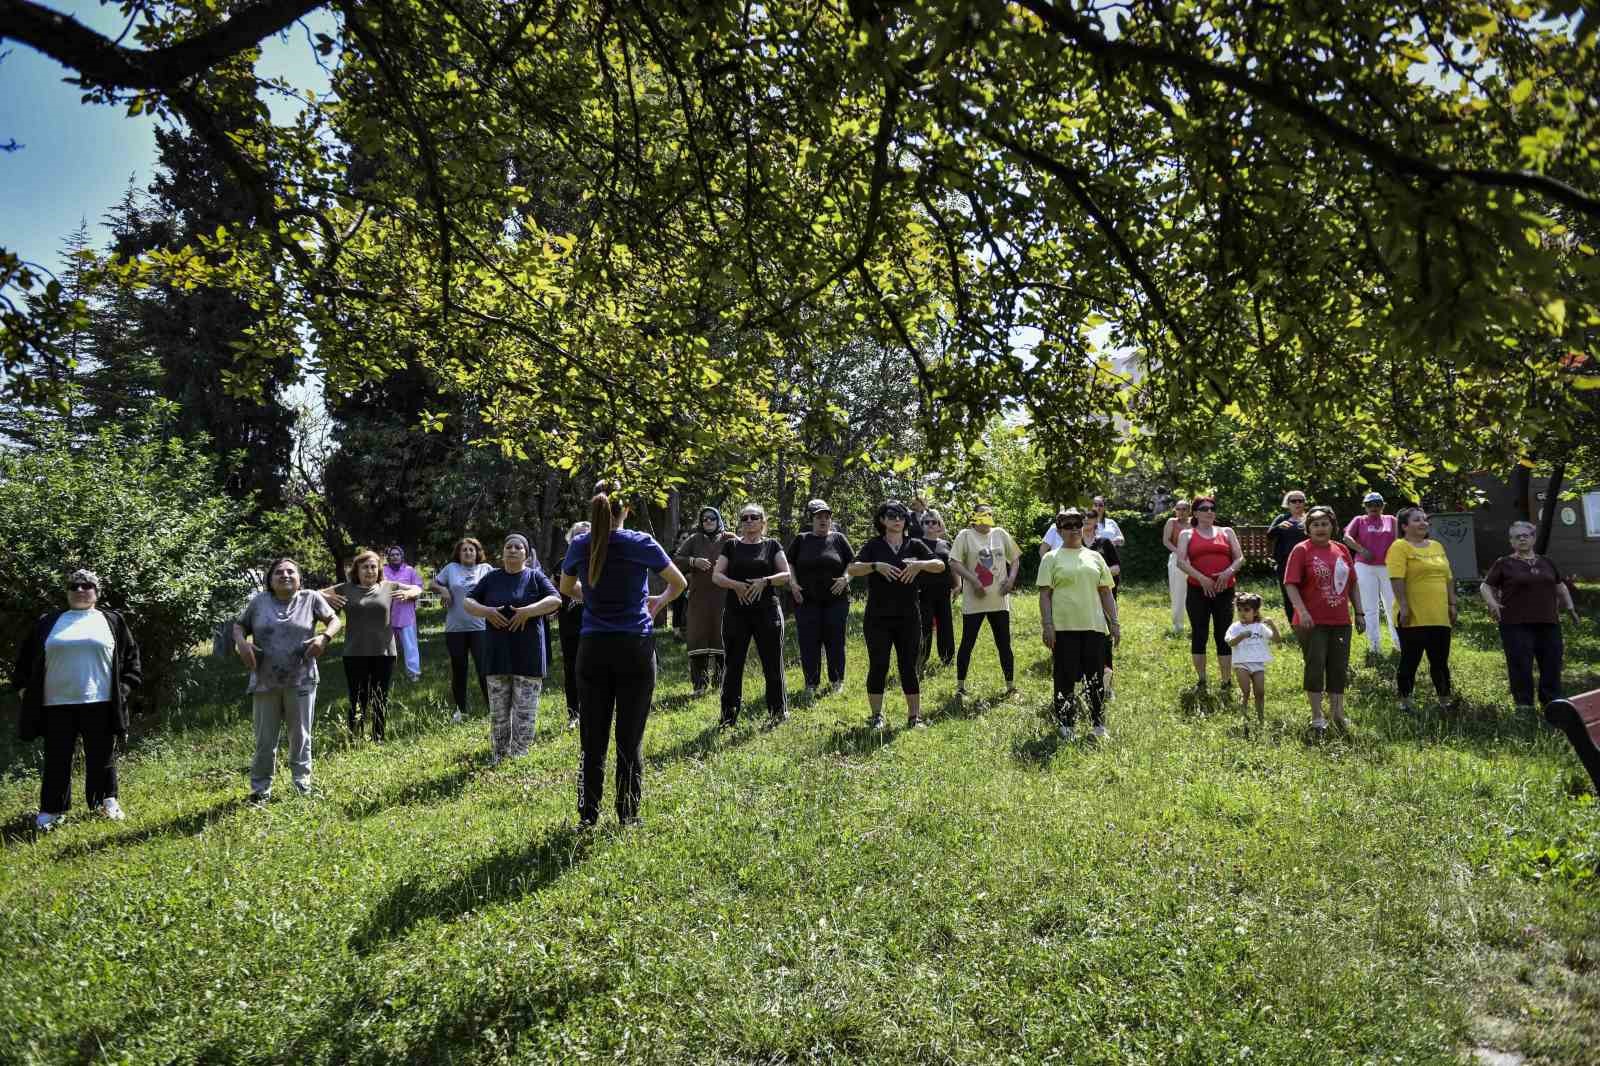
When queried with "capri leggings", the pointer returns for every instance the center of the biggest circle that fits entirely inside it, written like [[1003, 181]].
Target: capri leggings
[[903, 635], [1219, 609]]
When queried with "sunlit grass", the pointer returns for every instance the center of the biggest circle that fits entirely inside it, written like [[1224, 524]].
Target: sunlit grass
[[972, 892]]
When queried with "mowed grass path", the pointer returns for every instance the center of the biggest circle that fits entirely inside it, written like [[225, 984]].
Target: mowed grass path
[[969, 893]]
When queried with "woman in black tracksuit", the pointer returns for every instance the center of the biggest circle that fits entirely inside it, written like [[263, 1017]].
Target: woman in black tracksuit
[[893, 619]]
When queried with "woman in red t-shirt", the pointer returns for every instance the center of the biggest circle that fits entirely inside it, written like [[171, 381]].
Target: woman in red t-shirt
[[1210, 555], [1320, 580]]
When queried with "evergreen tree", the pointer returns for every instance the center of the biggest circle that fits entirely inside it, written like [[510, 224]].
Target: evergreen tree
[[179, 343]]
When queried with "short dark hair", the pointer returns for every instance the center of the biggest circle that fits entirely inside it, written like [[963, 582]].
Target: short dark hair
[[1249, 600], [883, 509]]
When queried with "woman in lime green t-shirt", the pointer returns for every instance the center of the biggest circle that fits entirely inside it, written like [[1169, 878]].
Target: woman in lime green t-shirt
[[1078, 613], [1425, 604]]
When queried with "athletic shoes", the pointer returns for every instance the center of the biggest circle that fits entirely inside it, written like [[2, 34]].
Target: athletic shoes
[[1100, 732], [112, 809], [916, 721], [876, 721], [1067, 733], [45, 822], [458, 717], [838, 687]]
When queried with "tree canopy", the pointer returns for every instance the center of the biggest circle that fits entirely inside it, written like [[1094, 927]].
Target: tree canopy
[[610, 227]]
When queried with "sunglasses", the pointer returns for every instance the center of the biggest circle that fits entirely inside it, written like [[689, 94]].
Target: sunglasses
[[82, 586], [751, 517], [1297, 499], [1069, 525], [1205, 507]]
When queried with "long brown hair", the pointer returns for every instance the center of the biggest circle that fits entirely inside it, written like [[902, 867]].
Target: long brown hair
[[605, 505]]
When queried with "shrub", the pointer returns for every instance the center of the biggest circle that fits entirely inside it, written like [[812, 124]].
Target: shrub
[[144, 514]]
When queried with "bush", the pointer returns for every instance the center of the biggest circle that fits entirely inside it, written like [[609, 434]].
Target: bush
[[144, 514]]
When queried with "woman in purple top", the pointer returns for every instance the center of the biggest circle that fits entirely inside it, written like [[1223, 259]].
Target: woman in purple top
[[403, 616], [1368, 537], [609, 569], [1526, 596]]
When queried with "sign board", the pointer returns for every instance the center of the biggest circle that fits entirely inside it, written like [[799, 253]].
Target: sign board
[[1454, 530]]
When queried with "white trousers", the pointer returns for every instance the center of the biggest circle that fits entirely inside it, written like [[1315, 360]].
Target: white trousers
[[1373, 581], [1177, 591]]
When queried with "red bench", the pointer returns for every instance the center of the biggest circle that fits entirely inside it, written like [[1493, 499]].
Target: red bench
[[1579, 718]]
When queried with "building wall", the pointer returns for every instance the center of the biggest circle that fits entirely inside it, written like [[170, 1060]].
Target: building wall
[[1575, 549]]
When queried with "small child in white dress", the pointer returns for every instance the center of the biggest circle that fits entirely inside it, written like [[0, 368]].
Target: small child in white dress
[[1250, 637]]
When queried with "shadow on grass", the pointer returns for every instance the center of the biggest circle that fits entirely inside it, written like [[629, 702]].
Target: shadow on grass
[[431, 790], [186, 824], [709, 741], [503, 876], [19, 830], [859, 740]]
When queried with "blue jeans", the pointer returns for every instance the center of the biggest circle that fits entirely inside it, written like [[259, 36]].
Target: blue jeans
[[818, 627]]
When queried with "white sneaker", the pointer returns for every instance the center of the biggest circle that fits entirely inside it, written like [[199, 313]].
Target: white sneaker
[[838, 687], [458, 717], [45, 822], [1068, 734], [1100, 733], [112, 809]]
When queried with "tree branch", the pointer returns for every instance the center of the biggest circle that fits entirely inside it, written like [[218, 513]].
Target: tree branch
[[101, 61], [1091, 40]]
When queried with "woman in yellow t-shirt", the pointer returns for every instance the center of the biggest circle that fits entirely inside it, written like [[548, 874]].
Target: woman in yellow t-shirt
[[1425, 602]]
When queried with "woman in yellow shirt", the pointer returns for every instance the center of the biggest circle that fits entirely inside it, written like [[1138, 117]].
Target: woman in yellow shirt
[[1425, 601]]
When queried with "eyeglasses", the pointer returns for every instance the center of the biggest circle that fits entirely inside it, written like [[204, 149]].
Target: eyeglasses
[[82, 586]]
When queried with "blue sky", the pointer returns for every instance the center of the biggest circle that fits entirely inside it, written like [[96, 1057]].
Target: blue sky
[[76, 159]]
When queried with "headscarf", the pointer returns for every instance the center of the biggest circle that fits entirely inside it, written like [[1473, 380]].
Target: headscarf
[[714, 513], [87, 577], [533, 557]]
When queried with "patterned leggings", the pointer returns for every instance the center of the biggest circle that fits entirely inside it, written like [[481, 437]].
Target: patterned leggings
[[513, 711]]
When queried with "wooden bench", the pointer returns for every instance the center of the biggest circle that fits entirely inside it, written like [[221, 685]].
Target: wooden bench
[[1579, 718]]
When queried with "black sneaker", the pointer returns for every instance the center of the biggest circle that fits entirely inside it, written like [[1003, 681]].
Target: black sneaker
[[257, 799], [876, 721]]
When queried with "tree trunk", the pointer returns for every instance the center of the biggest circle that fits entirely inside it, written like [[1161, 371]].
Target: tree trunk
[[673, 526], [785, 499], [1521, 492], [1547, 520]]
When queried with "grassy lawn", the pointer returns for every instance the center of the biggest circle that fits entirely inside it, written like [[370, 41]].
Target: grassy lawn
[[974, 892]]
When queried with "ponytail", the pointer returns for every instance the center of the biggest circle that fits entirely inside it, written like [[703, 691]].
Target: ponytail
[[604, 507]]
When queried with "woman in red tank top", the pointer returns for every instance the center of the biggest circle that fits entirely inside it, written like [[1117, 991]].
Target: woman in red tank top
[[1210, 555]]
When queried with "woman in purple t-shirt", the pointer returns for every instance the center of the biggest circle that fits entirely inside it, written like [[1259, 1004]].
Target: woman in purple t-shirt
[[616, 646], [1368, 537], [1526, 596]]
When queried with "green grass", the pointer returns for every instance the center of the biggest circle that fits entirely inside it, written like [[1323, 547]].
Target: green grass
[[974, 892]]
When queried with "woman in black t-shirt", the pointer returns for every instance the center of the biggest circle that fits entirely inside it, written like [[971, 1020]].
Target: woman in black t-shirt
[[821, 594], [748, 567], [893, 618]]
